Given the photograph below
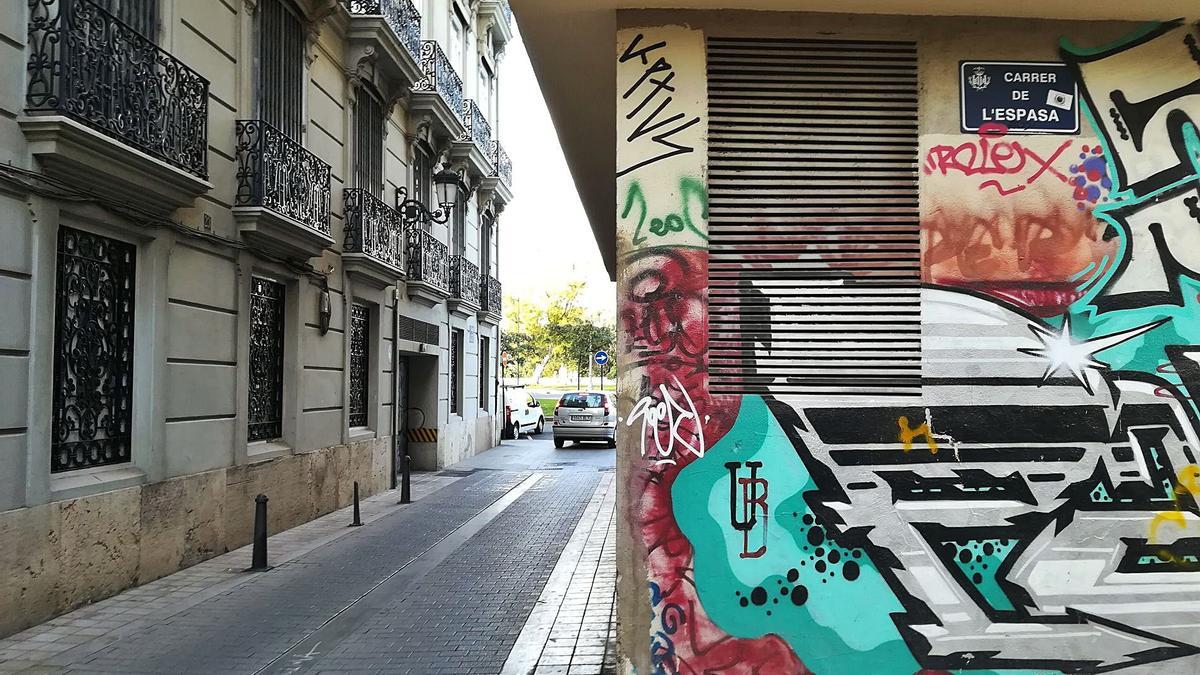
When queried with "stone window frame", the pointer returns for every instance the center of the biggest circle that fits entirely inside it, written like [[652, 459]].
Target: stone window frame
[[148, 415]]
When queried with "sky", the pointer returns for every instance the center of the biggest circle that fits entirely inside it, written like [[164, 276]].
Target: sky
[[545, 238]]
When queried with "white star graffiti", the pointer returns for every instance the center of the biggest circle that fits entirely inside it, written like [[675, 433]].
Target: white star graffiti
[[1063, 353]]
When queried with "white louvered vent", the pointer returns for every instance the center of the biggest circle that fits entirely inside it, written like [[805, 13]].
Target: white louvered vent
[[814, 251]]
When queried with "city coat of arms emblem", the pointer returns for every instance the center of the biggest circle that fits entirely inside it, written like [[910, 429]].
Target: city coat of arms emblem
[[979, 79]]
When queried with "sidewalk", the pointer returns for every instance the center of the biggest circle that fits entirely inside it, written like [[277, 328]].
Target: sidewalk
[[466, 578], [45, 647]]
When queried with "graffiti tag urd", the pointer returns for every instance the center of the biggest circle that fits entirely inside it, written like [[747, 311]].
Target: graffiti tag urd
[[989, 156], [668, 411], [651, 93], [752, 502], [1149, 123]]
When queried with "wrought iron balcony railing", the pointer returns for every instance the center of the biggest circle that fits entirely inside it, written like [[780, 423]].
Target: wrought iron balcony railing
[[478, 131], [439, 77], [507, 11], [428, 259], [464, 279], [490, 297], [86, 64], [400, 15], [373, 228], [502, 163], [277, 173]]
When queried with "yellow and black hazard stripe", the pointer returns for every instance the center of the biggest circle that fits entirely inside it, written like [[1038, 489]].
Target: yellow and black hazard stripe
[[423, 435]]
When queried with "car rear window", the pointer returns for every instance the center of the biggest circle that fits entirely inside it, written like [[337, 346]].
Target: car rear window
[[582, 401]]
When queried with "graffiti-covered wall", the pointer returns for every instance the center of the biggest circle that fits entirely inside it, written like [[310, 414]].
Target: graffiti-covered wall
[[1013, 488]]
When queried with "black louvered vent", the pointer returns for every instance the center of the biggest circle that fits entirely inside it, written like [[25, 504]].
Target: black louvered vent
[[814, 251], [417, 330]]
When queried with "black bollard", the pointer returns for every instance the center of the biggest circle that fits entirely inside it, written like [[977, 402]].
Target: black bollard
[[357, 517], [259, 563], [405, 483]]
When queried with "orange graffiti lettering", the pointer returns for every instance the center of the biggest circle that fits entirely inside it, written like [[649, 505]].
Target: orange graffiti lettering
[[1187, 483], [908, 434]]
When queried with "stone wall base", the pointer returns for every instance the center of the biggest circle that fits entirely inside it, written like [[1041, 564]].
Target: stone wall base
[[62, 555]]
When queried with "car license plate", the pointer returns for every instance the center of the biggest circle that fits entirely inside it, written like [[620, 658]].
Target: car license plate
[[581, 418]]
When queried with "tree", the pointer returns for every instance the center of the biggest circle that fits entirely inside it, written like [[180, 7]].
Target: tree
[[584, 339], [556, 331]]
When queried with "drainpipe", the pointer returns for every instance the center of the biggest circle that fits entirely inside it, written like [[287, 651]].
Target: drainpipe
[[395, 380]]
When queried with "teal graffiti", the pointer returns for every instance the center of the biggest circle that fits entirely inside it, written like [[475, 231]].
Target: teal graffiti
[[824, 597], [979, 560], [691, 193], [833, 608], [1146, 354]]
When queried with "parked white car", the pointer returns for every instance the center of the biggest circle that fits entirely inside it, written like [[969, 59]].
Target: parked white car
[[522, 413]]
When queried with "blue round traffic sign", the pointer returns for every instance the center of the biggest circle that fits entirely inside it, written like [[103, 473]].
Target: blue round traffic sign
[[601, 357]]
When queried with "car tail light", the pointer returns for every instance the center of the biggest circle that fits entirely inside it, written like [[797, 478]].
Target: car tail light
[[607, 410], [556, 409]]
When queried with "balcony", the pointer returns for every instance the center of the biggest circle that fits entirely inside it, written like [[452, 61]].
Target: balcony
[[464, 286], [282, 200], [474, 147], [373, 248], [497, 184], [389, 32], [490, 299], [108, 110], [497, 14], [428, 267], [438, 94]]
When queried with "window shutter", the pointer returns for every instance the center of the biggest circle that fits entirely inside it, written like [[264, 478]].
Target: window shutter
[[814, 235]]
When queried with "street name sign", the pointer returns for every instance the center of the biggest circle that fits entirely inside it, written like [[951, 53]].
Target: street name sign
[[1018, 97]]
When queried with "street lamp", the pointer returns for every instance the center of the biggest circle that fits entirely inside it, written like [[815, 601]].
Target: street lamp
[[446, 187]]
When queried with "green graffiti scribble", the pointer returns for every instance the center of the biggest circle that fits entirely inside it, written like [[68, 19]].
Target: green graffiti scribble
[[690, 190], [1146, 354]]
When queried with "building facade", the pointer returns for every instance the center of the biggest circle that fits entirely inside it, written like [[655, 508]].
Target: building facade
[[248, 247], [908, 313]]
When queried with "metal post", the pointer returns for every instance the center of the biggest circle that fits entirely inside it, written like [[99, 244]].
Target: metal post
[[259, 561], [405, 480], [357, 516]]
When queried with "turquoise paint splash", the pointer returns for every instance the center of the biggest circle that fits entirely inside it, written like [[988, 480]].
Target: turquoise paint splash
[[835, 615], [1145, 354], [831, 606]]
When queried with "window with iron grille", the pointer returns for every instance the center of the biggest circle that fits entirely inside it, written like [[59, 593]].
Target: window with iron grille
[[814, 241], [368, 142], [360, 363], [265, 413], [485, 349], [281, 67], [140, 15], [456, 343], [93, 351], [422, 178], [458, 244], [485, 247]]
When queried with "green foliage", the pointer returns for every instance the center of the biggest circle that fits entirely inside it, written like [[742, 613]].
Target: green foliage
[[542, 336]]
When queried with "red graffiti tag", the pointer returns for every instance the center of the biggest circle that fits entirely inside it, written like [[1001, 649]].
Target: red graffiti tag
[[990, 156]]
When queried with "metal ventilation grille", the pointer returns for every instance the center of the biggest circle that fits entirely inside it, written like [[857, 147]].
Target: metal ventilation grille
[[814, 250]]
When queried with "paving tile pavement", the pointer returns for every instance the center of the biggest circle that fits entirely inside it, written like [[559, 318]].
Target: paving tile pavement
[[464, 616], [572, 631], [79, 636], [445, 585]]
